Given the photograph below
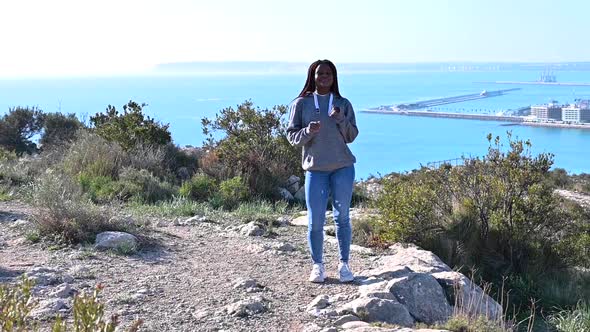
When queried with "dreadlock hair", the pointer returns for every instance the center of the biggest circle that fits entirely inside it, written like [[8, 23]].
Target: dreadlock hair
[[310, 82]]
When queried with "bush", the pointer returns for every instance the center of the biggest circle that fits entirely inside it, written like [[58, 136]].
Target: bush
[[576, 320], [15, 305], [18, 126], [231, 193], [143, 187], [92, 155], [254, 147], [103, 189], [65, 216], [199, 188], [59, 129], [131, 127]]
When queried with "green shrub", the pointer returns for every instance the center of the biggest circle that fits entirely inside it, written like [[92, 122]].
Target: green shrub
[[142, 186], [130, 128], [15, 305], [59, 129], [88, 313], [254, 146], [199, 188], [92, 155], [231, 193], [64, 215], [576, 320], [6, 155], [103, 189], [18, 126]]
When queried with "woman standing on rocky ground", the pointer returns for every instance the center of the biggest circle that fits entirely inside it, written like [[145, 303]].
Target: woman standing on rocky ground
[[322, 122]]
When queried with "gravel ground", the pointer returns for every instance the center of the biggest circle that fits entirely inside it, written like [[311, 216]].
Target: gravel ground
[[185, 279]]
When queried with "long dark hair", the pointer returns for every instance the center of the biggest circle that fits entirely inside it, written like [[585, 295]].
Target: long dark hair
[[310, 82]]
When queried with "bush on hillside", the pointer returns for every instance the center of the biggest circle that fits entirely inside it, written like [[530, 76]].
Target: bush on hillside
[[199, 188], [64, 215], [499, 209], [231, 192], [131, 127], [254, 146], [141, 186], [497, 214], [59, 128], [92, 155], [18, 126]]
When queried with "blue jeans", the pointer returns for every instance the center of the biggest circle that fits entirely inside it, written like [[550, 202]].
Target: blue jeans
[[318, 186]]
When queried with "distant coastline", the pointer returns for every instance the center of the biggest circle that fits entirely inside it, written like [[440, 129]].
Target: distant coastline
[[270, 67]]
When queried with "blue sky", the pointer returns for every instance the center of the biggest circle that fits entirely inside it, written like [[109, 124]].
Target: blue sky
[[41, 37]]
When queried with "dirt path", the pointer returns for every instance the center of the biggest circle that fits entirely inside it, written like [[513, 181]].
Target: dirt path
[[185, 282]]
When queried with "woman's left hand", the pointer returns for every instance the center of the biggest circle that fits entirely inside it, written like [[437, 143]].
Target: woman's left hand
[[335, 113]]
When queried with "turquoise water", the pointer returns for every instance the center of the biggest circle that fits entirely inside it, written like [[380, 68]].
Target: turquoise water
[[386, 143]]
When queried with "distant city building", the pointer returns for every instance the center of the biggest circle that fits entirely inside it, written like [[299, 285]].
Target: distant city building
[[576, 114], [549, 111]]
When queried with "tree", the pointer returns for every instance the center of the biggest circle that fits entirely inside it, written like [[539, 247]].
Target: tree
[[131, 127], [254, 146], [18, 126], [59, 128]]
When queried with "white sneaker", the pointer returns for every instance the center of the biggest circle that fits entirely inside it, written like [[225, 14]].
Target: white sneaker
[[318, 273], [345, 273]]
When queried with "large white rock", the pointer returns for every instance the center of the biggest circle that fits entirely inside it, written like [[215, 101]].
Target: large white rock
[[371, 309], [120, 241], [422, 295]]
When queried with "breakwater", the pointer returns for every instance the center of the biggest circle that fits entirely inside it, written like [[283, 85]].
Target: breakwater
[[486, 117], [425, 104], [535, 83]]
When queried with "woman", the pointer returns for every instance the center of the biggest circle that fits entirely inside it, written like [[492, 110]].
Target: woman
[[322, 122]]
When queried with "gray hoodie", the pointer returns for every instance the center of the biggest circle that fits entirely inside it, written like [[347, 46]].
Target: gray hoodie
[[327, 149]]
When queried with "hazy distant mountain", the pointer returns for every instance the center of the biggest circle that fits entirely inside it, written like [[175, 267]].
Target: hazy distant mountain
[[253, 67]]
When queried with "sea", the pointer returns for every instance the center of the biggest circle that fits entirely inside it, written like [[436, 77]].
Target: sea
[[386, 143]]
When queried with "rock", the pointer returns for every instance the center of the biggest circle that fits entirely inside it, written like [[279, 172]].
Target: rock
[[283, 246], [285, 194], [293, 184], [247, 307], [194, 220], [320, 302], [424, 298], [300, 221], [372, 309], [251, 229], [48, 308], [20, 224], [81, 271], [311, 327], [467, 297], [355, 324], [404, 258], [300, 195], [119, 241], [346, 319], [62, 291], [43, 276], [250, 285], [329, 329], [330, 230]]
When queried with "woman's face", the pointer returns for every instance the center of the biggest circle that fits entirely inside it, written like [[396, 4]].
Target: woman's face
[[324, 77]]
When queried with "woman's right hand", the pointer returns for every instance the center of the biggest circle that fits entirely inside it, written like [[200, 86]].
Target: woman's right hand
[[314, 127]]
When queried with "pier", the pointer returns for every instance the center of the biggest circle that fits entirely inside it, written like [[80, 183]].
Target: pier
[[444, 101], [536, 83], [469, 116]]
